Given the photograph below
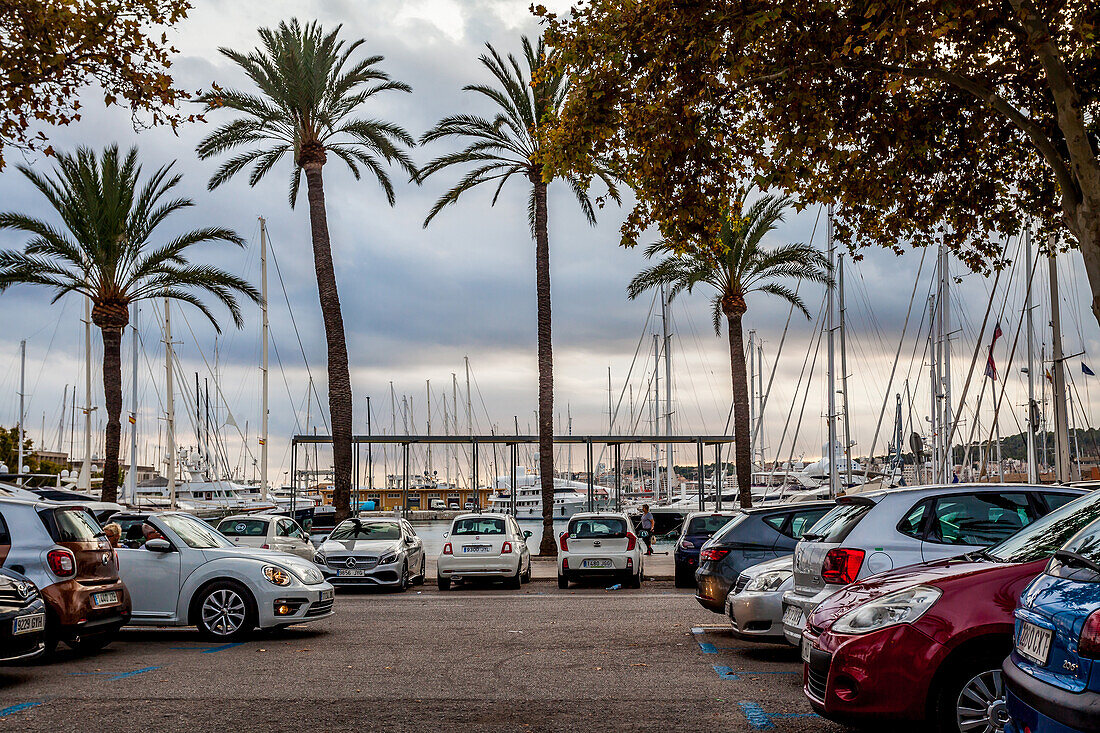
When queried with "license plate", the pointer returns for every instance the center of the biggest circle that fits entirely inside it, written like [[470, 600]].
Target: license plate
[[476, 548], [27, 624], [326, 595], [597, 564], [351, 573], [106, 598], [1034, 642], [792, 616], [807, 645]]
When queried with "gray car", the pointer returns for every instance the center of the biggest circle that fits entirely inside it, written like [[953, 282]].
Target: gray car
[[373, 552], [755, 603], [874, 532]]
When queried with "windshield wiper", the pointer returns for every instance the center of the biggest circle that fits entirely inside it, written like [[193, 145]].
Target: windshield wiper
[[1072, 558]]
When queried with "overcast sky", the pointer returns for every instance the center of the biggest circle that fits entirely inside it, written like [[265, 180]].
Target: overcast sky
[[416, 301]]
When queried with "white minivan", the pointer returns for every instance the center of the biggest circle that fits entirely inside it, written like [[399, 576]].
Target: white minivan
[[600, 543]]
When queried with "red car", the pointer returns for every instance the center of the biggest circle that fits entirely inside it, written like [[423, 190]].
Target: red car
[[926, 642]]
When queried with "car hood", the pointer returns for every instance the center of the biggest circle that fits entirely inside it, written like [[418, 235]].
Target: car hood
[[372, 546], [305, 570]]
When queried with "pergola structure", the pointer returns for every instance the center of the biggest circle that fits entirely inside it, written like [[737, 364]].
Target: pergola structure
[[615, 442]]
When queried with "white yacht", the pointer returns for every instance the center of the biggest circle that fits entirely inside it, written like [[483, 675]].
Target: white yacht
[[570, 497]]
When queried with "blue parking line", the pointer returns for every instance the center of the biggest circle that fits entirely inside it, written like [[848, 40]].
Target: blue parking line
[[727, 673], [760, 720], [708, 648], [221, 648], [12, 709], [124, 675]]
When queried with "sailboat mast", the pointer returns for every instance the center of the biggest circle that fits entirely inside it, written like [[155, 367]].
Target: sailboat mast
[[84, 483], [1061, 421], [265, 491], [470, 421], [668, 386], [933, 382], [752, 394], [830, 418], [945, 315], [428, 391], [170, 422], [847, 451], [131, 478], [656, 419], [1032, 467], [22, 397]]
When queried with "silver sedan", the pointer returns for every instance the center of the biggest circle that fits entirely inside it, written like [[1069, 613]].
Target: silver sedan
[[755, 603], [372, 552]]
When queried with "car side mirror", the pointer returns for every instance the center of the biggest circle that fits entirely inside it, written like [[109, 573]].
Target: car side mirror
[[527, 534], [446, 533], [158, 545]]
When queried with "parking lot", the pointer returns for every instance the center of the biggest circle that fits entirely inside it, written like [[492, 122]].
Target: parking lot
[[483, 658]]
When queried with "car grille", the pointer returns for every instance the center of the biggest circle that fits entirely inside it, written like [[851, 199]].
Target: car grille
[[320, 608], [363, 562], [11, 597], [817, 675], [742, 581]]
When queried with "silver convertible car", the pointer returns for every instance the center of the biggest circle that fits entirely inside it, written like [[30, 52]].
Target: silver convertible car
[[180, 571], [373, 552]]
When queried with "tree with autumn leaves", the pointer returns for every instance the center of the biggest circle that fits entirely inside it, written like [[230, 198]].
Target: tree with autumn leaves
[[921, 120]]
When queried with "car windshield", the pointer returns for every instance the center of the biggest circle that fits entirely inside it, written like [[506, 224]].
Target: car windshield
[[354, 529], [838, 523], [1087, 543], [1042, 537], [593, 527], [75, 525], [728, 527], [194, 532], [478, 525], [707, 525], [243, 527]]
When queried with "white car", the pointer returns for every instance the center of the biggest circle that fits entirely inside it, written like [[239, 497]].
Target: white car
[[600, 544], [267, 532], [484, 546], [373, 552], [193, 576]]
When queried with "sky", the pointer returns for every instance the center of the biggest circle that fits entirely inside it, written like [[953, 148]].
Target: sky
[[417, 301]]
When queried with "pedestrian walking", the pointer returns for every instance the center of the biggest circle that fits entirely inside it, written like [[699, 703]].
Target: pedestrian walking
[[647, 529]]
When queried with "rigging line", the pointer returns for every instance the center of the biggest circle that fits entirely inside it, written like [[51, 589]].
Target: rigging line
[[49, 348], [637, 350], [816, 332], [771, 378], [802, 409], [919, 340], [294, 323]]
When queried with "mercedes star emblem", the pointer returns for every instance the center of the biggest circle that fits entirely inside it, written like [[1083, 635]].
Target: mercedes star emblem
[[351, 562]]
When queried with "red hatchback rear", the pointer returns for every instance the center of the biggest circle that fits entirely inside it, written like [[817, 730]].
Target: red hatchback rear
[[926, 643]]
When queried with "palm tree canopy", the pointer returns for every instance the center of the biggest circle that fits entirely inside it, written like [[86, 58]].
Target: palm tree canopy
[[737, 263], [310, 89], [105, 249], [526, 97]]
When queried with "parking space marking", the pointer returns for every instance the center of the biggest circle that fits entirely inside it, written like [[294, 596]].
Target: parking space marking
[[13, 709], [124, 675], [760, 720], [207, 650], [727, 673], [708, 648], [222, 648]]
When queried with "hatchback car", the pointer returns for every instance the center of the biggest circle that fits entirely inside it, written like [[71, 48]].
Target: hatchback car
[[63, 551], [926, 642], [698, 527], [186, 573], [373, 552], [880, 530], [267, 532], [599, 544], [22, 618], [755, 603], [752, 536], [487, 546], [1053, 675]]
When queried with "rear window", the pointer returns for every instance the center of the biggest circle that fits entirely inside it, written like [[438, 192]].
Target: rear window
[[478, 525], [729, 527], [706, 525], [838, 523], [591, 527], [243, 528], [1040, 539], [73, 525]]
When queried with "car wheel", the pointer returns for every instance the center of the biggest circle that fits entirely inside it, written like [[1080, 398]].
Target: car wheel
[[563, 582], [404, 584], [225, 610], [422, 576], [443, 583], [971, 699], [527, 574], [515, 581], [634, 581]]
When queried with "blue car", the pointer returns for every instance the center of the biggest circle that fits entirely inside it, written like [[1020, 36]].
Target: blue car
[[1052, 678], [698, 527]]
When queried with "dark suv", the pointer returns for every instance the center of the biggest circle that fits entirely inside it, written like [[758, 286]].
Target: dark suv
[[751, 537], [697, 528]]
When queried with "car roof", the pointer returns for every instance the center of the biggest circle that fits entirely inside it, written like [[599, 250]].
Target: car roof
[[371, 519], [942, 489], [719, 513], [236, 517], [586, 515], [491, 515], [800, 506]]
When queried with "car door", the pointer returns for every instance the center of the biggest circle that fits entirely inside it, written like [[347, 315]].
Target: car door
[[963, 522], [414, 547], [297, 541], [153, 580], [282, 539]]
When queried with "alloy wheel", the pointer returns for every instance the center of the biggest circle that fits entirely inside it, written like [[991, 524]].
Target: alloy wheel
[[981, 705], [223, 612]]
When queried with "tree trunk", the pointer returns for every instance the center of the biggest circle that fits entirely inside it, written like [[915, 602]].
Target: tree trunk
[[112, 394], [742, 446], [339, 377], [549, 545]]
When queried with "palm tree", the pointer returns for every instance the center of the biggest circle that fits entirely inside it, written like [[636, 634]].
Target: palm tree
[[105, 251], [736, 264], [309, 93], [510, 144]]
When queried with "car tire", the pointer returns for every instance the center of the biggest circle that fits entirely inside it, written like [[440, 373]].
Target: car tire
[[980, 678], [404, 583], [634, 581], [563, 582], [225, 611], [514, 582], [423, 575], [443, 583], [526, 578]]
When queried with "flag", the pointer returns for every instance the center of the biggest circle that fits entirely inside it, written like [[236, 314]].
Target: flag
[[1050, 379], [133, 419], [1085, 369], [990, 364]]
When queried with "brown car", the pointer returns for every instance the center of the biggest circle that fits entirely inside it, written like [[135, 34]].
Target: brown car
[[63, 551]]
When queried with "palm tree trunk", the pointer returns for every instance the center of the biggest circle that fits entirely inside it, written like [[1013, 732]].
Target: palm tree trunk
[[548, 545], [742, 446], [339, 377], [112, 395]]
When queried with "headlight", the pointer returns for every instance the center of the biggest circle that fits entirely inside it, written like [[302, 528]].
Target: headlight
[[276, 575], [901, 607], [319, 559], [387, 559], [768, 582], [305, 572]]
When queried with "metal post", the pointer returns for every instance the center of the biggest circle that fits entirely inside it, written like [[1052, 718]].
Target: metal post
[[473, 471], [702, 475], [719, 483], [618, 478], [513, 459], [588, 461], [293, 474], [405, 476]]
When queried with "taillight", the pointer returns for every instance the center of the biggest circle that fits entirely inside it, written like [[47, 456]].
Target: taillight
[[842, 566], [1089, 644], [631, 540], [447, 549], [62, 563], [562, 542], [264, 546], [506, 548], [713, 553]]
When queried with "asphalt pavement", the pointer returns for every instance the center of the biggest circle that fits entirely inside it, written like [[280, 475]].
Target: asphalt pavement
[[474, 658]]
